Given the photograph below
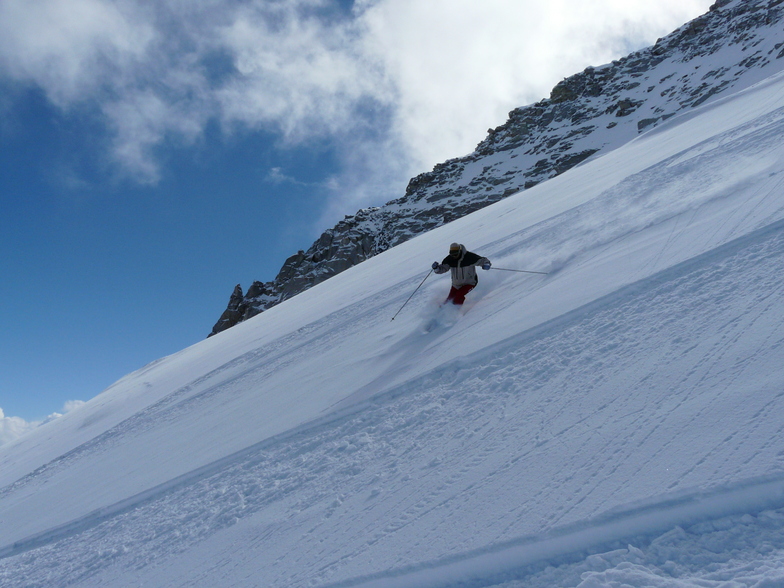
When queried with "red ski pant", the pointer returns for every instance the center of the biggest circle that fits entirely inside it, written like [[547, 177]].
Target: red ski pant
[[457, 295]]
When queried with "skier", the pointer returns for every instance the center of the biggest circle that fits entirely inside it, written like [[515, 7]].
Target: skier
[[463, 264]]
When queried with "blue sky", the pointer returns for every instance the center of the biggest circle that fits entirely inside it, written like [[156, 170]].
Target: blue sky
[[103, 277], [153, 156]]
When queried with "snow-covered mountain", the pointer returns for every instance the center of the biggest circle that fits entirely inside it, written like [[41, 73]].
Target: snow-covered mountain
[[616, 422], [731, 47]]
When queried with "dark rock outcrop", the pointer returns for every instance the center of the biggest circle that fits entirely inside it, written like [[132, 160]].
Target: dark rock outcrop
[[735, 44]]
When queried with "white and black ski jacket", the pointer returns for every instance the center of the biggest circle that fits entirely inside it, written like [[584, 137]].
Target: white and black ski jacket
[[463, 267]]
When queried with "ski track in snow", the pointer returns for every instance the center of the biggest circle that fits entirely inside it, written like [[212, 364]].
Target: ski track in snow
[[490, 421], [591, 447]]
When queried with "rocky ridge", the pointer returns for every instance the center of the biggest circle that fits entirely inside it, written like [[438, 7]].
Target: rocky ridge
[[735, 44]]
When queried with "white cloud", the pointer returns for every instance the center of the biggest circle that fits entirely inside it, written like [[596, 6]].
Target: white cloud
[[397, 85], [297, 74], [11, 428], [70, 47], [72, 405], [141, 121], [455, 68], [461, 65], [276, 176]]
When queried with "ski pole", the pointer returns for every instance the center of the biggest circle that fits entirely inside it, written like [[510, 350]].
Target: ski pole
[[503, 269], [412, 293]]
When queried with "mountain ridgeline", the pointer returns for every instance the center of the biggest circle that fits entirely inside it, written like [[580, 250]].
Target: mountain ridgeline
[[586, 115]]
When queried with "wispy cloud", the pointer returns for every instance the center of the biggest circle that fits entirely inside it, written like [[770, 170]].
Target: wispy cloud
[[395, 85], [276, 176], [71, 49]]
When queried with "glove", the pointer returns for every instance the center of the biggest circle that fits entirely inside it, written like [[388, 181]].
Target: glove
[[486, 266], [435, 265]]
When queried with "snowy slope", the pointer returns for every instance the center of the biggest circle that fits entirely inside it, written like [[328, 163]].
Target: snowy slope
[[736, 44], [635, 390]]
